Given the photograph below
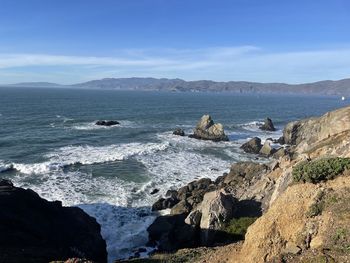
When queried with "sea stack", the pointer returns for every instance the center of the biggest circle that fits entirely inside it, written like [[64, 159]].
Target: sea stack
[[206, 129], [268, 125]]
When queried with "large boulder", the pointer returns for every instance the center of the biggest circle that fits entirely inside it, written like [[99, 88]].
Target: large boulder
[[216, 209], [268, 125], [36, 230], [252, 146], [267, 150], [206, 129]]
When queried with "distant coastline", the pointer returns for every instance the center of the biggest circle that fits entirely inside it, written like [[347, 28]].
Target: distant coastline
[[326, 87]]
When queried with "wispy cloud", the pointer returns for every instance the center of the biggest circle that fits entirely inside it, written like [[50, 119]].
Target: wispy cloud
[[217, 63]]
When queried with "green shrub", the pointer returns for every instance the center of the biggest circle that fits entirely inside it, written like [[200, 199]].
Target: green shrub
[[320, 170], [238, 226]]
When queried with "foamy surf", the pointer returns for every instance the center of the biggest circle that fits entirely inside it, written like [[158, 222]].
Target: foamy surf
[[85, 154], [5, 166]]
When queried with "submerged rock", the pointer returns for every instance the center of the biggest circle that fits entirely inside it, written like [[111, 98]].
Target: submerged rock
[[252, 146], [36, 230], [268, 125], [179, 132], [154, 191], [207, 130], [107, 123]]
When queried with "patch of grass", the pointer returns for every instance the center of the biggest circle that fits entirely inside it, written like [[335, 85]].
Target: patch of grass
[[315, 209], [340, 234], [320, 170], [238, 226]]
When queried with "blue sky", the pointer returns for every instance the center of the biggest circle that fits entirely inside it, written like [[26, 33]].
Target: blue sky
[[69, 41]]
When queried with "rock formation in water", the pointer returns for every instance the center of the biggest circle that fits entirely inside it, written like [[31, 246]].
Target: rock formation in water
[[36, 230], [107, 123], [252, 146], [268, 125], [206, 129], [179, 132]]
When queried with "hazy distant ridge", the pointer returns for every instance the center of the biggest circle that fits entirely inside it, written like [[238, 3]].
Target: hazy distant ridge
[[327, 87]]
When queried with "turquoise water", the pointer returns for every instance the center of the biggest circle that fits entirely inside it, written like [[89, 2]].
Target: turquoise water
[[49, 138]]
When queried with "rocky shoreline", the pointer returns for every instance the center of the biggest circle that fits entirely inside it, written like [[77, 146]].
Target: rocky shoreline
[[243, 216], [202, 212]]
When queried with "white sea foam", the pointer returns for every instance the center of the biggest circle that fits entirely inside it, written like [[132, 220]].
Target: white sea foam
[[123, 207], [70, 155], [4, 166], [65, 119], [252, 126]]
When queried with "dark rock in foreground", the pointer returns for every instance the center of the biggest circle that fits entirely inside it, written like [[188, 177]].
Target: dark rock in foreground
[[207, 130], [268, 125], [179, 132], [252, 146], [36, 230], [107, 123]]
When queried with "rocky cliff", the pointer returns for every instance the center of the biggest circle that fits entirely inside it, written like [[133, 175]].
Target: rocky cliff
[[300, 199]]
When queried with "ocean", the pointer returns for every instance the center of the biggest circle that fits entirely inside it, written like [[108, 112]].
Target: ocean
[[49, 143]]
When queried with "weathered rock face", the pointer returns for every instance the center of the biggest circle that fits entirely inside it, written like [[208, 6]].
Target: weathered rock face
[[107, 123], [244, 172], [187, 197], [216, 208], [207, 130], [179, 132], [312, 230], [307, 132], [252, 146], [268, 125], [36, 230]]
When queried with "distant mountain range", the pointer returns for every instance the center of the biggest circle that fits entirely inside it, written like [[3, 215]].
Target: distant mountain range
[[327, 87]]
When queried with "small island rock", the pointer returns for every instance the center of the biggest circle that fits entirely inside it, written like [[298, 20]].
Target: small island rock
[[268, 125], [179, 132], [206, 129], [107, 123], [252, 146]]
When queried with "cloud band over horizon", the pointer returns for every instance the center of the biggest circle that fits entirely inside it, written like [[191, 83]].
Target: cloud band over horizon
[[248, 63]]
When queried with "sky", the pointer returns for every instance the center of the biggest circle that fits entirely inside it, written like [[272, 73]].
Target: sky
[[71, 41]]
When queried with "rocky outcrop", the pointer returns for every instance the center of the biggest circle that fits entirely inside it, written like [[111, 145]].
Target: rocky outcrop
[[179, 132], [252, 146], [107, 123], [268, 125], [206, 129], [318, 213], [36, 230], [305, 133]]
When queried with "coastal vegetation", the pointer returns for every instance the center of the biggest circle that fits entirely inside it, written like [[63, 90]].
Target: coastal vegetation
[[320, 170]]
